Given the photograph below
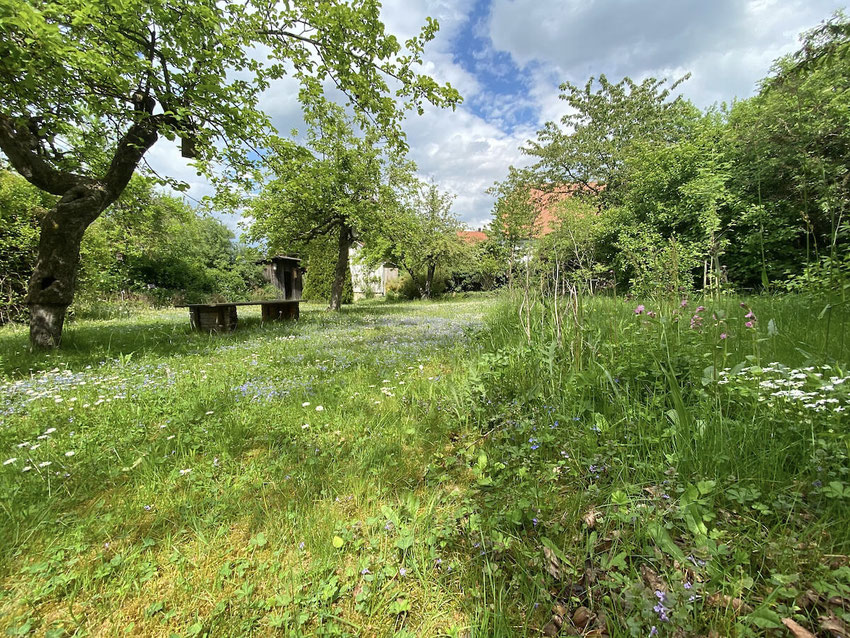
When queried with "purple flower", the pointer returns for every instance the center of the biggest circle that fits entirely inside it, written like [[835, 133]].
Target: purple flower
[[534, 521], [749, 315], [684, 303], [749, 324], [723, 335], [700, 308], [365, 571], [639, 310], [653, 631], [402, 572], [687, 585]]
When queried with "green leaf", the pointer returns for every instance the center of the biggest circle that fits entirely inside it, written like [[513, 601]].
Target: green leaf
[[662, 538], [765, 618], [258, 541]]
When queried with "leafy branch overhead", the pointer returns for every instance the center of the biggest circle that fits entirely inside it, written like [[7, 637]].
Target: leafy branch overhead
[[89, 86], [81, 79]]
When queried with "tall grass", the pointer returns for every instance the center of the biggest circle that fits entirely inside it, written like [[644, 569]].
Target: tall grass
[[716, 433]]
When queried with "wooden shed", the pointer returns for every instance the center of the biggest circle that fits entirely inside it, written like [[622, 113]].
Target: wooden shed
[[286, 274]]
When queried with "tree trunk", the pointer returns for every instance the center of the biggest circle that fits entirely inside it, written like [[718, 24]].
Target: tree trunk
[[345, 240], [429, 280], [52, 285], [51, 288]]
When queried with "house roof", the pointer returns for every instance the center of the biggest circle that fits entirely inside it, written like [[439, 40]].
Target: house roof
[[547, 202], [472, 236]]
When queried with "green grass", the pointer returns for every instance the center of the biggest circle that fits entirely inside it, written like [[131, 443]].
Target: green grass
[[469, 473]]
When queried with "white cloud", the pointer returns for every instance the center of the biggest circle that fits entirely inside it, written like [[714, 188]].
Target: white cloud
[[728, 44]]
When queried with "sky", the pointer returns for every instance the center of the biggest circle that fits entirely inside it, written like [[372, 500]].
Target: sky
[[507, 59]]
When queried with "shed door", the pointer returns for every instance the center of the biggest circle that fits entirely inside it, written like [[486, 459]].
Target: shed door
[[287, 284]]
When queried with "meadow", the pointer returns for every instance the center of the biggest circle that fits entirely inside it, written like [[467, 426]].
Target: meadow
[[479, 466]]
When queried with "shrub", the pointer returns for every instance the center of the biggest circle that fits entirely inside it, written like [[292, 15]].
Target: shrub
[[321, 255]]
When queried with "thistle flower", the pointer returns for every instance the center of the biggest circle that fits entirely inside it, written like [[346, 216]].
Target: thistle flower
[[639, 310]]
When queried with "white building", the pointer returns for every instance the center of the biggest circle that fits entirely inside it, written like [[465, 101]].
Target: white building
[[367, 281]]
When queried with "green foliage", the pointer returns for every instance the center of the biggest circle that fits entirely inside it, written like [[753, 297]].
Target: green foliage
[[408, 288], [320, 261], [418, 231], [588, 146], [742, 197], [482, 269], [77, 66], [328, 188], [331, 181], [790, 148], [632, 443], [156, 246], [21, 208]]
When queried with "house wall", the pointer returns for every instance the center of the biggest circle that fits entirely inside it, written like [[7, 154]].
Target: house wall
[[365, 279]]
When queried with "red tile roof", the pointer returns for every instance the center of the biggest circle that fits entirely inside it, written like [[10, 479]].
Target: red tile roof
[[547, 201], [472, 236]]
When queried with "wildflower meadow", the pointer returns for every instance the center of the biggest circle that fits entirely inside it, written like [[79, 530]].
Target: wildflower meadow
[[430, 469]]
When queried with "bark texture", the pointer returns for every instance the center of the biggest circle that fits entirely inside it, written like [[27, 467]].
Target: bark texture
[[54, 279], [345, 240], [429, 281], [82, 200]]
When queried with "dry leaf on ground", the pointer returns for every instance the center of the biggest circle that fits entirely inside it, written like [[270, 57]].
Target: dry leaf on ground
[[798, 630], [553, 565], [736, 604], [835, 626]]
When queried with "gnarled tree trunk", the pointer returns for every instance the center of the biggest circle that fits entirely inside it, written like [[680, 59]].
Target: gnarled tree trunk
[[83, 198], [52, 285], [345, 240]]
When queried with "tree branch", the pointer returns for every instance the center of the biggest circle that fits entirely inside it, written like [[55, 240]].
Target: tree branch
[[130, 150], [20, 144]]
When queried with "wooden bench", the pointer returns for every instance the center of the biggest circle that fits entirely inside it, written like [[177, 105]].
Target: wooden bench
[[221, 317]]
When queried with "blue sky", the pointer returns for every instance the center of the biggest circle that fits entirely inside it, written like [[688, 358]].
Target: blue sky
[[508, 57]]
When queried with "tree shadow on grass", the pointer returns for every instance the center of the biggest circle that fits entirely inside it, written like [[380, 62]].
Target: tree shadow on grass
[[168, 334]]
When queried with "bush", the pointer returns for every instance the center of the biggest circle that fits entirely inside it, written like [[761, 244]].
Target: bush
[[406, 288], [321, 255], [21, 207]]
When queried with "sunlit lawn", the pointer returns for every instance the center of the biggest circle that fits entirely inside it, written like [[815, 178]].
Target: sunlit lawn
[[164, 481]]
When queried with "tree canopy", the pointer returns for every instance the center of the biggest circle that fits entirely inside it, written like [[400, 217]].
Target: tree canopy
[[90, 85], [327, 188]]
